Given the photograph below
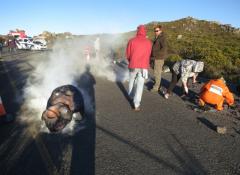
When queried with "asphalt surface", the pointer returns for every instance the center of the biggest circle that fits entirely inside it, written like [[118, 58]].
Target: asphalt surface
[[165, 137]]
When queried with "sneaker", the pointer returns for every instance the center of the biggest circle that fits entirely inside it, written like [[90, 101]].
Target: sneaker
[[185, 97], [137, 109], [166, 95]]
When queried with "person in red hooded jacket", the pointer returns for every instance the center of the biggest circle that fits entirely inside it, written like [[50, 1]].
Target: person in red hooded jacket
[[138, 54], [215, 92]]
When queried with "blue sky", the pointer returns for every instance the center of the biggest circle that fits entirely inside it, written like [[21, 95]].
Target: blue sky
[[108, 16]]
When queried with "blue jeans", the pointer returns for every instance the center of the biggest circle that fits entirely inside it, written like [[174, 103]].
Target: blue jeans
[[136, 83]]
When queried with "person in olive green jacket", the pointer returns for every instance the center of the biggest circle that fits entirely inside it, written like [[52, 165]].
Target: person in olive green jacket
[[159, 53]]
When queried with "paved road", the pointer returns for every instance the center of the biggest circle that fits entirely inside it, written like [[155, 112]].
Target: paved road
[[166, 137]]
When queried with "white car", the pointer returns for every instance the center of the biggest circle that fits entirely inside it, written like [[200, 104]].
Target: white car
[[28, 43], [24, 43], [37, 45], [43, 41]]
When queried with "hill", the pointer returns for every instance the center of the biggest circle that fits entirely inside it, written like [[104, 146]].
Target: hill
[[218, 45]]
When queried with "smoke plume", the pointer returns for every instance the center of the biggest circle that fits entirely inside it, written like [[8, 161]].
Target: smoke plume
[[66, 62]]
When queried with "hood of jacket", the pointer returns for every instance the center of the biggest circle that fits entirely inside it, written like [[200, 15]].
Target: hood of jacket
[[141, 31]]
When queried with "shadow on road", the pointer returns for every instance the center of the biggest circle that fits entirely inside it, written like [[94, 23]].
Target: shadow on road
[[119, 70], [192, 95], [164, 84], [187, 164], [207, 123], [125, 93], [13, 76], [83, 151]]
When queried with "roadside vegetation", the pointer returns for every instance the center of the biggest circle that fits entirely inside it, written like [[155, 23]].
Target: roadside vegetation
[[215, 44]]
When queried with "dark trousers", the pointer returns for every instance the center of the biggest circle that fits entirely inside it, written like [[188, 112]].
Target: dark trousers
[[175, 79]]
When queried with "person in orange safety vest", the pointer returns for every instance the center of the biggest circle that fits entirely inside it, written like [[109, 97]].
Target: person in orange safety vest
[[215, 92]]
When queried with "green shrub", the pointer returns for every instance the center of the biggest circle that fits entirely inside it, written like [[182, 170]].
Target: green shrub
[[172, 59]]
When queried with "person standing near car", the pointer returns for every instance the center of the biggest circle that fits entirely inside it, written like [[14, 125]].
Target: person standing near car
[[159, 52], [1, 47], [138, 54], [12, 45]]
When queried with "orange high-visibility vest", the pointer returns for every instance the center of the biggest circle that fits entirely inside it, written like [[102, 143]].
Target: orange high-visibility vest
[[215, 92]]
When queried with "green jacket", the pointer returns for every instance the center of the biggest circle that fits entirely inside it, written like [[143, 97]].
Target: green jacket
[[159, 48]]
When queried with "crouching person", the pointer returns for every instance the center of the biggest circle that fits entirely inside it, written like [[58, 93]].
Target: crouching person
[[64, 103], [215, 93], [184, 70]]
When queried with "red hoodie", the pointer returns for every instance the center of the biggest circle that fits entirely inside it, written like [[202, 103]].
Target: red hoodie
[[139, 50]]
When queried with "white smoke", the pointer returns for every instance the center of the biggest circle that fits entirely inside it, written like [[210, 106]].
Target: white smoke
[[66, 62]]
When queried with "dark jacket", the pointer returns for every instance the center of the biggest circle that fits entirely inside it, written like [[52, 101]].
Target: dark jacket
[[159, 48]]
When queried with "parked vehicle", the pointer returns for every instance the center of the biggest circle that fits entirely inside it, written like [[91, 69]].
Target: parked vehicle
[[30, 44], [43, 41], [24, 43], [37, 45]]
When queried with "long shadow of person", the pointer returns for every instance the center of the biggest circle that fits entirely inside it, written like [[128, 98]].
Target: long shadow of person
[[164, 86], [124, 92], [187, 162], [120, 71], [83, 143]]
